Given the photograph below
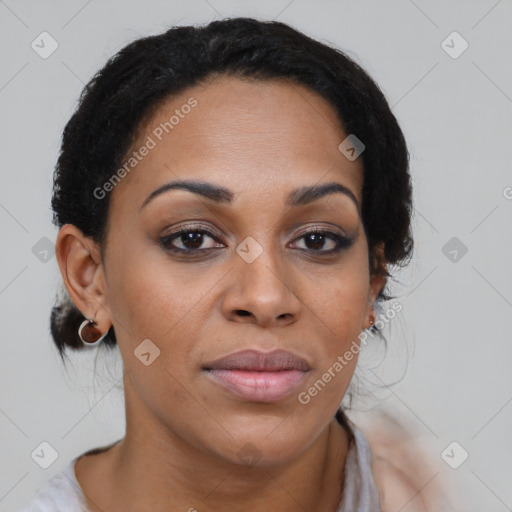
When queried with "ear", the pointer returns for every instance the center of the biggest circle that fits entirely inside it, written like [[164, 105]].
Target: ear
[[378, 280], [82, 270]]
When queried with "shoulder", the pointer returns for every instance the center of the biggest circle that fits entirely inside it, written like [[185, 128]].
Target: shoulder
[[60, 493], [395, 488], [404, 473]]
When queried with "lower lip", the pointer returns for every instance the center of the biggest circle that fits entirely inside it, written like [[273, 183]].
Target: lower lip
[[254, 386]]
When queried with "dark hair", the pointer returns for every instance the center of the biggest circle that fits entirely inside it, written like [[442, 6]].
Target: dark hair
[[147, 71]]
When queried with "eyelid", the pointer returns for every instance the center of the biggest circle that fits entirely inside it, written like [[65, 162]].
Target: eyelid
[[191, 225], [336, 230], [199, 225]]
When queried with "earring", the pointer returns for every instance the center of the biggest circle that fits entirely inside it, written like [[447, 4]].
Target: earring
[[90, 336]]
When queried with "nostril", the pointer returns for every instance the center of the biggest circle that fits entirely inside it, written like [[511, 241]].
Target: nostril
[[243, 312]]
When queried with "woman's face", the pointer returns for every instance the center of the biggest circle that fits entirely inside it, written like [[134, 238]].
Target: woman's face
[[247, 277]]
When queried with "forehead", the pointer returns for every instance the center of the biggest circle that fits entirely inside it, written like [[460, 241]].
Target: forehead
[[255, 136]]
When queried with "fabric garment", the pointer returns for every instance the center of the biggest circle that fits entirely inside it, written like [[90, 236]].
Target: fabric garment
[[62, 492], [360, 493]]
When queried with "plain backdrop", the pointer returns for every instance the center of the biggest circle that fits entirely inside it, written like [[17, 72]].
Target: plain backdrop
[[450, 348]]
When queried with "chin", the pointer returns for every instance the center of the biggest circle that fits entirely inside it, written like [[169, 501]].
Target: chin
[[265, 447]]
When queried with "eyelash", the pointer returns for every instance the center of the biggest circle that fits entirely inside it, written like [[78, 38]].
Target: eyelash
[[342, 242]]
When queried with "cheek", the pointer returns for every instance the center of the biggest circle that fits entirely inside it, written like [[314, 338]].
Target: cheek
[[147, 295], [153, 303], [341, 310], [341, 303], [153, 299]]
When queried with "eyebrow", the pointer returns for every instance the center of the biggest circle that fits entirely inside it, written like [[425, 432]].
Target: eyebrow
[[298, 197]]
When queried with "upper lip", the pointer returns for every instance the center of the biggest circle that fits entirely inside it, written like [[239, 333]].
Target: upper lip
[[254, 360]]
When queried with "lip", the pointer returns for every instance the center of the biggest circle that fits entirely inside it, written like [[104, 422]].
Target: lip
[[258, 376]]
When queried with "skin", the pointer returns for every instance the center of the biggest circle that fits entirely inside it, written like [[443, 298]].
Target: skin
[[261, 140]]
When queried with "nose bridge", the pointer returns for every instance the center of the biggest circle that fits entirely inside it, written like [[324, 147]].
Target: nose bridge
[[259, 284], [261, 267]]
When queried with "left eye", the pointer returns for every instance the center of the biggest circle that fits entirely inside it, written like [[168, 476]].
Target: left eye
[[316, 239]]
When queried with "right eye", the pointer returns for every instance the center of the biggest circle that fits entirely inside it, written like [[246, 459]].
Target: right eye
[[190, 238]]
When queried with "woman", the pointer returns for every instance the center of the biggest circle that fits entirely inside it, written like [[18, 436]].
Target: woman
[[229, 198]]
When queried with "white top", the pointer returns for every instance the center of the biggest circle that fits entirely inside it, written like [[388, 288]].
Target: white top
[[62, 492]]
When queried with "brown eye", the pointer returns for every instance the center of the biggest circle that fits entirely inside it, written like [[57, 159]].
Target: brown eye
[[191, 240], [316, 240]]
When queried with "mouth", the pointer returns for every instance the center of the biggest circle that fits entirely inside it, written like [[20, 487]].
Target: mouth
[[256, 376]]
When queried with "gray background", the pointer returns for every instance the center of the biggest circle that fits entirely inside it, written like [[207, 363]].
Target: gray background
[[450, 347]]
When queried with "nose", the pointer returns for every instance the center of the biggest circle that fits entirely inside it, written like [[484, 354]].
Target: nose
[[261, 292]]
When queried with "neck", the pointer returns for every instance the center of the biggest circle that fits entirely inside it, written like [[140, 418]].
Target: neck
[[150, 469]]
